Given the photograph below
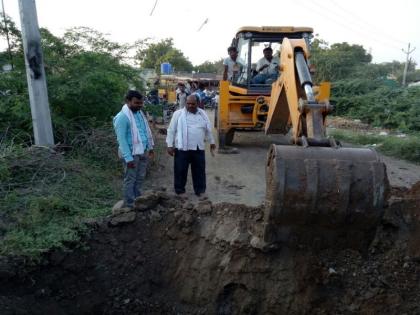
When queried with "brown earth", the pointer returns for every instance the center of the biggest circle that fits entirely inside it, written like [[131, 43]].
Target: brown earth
[[174, 256]]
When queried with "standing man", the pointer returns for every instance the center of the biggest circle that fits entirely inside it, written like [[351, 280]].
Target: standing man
[[267, 68], [232, 66], [181, 96], [135, 145], [187, 130]]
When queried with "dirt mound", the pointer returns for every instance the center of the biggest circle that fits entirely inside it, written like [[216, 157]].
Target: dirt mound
[[172, 256]]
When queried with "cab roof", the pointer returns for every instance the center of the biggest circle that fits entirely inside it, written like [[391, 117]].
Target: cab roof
[[275, 29]]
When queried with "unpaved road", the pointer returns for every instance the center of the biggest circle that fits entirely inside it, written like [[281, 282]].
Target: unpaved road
[[240, 178]]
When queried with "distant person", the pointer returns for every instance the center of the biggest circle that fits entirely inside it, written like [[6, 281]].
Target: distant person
[[181, 96], [267, 68], [135, 145], [232, 65], [154, 96], [216, 99], [187, 131], [202, 96]]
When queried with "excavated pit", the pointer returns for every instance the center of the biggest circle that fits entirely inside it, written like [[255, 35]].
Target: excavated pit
[[175, 257]]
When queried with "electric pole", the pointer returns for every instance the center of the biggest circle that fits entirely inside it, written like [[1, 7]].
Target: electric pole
[[408, 52], [35, 74]]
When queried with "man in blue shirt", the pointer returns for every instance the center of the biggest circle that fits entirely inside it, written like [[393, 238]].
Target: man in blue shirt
[[135, 145]]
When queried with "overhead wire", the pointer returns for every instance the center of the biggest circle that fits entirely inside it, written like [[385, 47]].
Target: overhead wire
[[154, 6], [316, 7], [377, 30]]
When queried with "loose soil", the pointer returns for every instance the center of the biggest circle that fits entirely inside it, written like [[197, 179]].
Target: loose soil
[[176, 256]]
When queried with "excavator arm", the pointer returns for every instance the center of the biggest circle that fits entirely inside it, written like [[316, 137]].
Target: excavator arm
[[315, 185], [293, 101]]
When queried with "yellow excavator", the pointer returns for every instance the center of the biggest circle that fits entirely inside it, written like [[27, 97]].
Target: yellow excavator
[[313, 183]]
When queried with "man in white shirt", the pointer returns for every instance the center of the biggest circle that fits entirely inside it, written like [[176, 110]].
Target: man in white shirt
[[181, 96], [267, 68], [232, 66], [187, 130]]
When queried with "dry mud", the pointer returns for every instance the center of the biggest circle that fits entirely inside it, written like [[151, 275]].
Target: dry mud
[[171, 256]]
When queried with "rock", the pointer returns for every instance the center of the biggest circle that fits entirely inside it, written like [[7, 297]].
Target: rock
[[155, 216], [149, 200], [125, 217], [239, 237], [331, 271], [186, 230], [186, 220], [392, 218], [178, 214], [118, 205], [188, 206], [203, 207], [258, 217], [172, 233], [383, 133], [258, 243]]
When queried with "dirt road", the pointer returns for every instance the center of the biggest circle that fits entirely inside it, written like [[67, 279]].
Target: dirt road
[[240, 178]]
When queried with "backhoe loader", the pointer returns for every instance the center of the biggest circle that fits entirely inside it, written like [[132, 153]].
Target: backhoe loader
[[313, 183]]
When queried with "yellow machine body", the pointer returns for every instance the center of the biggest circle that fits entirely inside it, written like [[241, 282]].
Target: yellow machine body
[[313, 184]]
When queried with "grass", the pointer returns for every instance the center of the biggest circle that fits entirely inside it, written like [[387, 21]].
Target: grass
[[45, 196], [407, 148]]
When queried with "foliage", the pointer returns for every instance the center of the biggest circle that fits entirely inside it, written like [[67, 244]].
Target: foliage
[[46, 195], [86, 77], [404, 148], [210, 67], [337, 61], [378, 104], [152, 55]]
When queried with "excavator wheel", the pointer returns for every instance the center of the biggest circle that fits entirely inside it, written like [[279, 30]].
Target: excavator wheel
[[226, 138], [323, 193]]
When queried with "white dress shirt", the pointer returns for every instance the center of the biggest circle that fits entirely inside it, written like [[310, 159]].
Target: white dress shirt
[[197, 131], [272, 65]]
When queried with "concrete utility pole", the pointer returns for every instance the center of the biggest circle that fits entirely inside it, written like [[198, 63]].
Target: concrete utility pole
[[408, 52], [35, 74]]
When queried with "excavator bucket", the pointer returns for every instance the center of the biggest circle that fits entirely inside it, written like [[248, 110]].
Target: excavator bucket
[[323, 194]]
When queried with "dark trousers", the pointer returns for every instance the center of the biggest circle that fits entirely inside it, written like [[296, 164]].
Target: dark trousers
[[182, 161]]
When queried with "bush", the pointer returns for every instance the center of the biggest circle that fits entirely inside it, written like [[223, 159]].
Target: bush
[[378, 104], [404, 148]]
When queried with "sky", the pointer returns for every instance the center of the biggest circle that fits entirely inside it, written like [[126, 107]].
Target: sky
[[383, 28]]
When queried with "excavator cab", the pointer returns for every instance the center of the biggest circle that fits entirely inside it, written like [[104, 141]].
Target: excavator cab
[[313, 184], [243, 101]]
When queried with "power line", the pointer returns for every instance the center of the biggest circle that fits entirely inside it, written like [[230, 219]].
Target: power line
[[202, 24], [320, 9], [371, 26], [151, 12], [356, 30]]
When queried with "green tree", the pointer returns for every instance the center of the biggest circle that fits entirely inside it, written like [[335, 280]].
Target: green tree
[[338, 61], [151, 55], [87, 78], [210, 67]]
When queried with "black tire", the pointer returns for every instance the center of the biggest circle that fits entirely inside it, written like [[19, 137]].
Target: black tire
[[229, 136]]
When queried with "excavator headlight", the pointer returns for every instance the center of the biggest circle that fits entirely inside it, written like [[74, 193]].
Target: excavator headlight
[[260, 100], [264, 108]]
